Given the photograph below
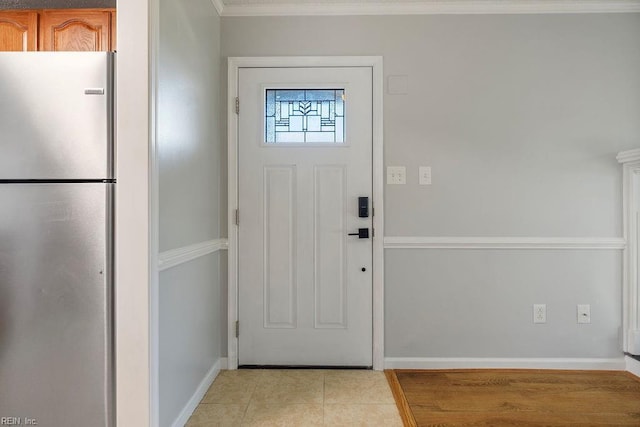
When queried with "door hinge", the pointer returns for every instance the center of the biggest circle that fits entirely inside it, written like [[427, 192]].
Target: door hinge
[[237, 328], [237, 217], [237, 105]]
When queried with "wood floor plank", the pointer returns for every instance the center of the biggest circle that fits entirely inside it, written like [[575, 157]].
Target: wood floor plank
[[520, 397], [494, 419], [401, 401]]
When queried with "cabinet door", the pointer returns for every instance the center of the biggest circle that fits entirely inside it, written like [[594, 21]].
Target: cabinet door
[[75, 30], [18, 31], [113, 31]]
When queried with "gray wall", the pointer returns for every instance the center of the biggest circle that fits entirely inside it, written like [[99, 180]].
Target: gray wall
[[520, 117], [188, 146]]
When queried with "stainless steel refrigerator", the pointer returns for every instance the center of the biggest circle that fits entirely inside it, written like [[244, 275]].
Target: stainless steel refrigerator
[[56, 236]]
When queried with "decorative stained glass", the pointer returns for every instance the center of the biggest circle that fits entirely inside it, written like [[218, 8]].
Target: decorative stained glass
[[304, 116]]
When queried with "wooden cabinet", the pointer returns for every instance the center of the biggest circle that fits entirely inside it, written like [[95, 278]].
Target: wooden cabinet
[[18, 31], [63, 30], [58, 30]]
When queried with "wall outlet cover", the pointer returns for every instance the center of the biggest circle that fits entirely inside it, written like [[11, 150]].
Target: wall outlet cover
[[539, 313], [424, 174], [584, 313]]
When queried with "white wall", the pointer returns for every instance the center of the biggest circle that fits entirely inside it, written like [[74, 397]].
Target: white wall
[[188, 135], [520, 117], [132, 216]]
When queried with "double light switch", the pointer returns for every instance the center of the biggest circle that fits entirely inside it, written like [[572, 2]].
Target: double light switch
[[398, 175]]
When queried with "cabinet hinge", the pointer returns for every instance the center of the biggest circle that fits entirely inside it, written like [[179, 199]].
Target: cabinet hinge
[[237, 328], [237, 105], [237, 217]]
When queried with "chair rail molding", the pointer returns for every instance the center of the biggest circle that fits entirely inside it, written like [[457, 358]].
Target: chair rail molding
[[444, 242], [171, 258], [630, 161]]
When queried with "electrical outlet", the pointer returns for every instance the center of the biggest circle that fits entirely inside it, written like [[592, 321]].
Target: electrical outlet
[[584, 313], [424, 172], [539, 313], [396, 175]]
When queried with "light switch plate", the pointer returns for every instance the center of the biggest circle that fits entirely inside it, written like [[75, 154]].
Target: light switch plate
[[424, 172], [396, 175]]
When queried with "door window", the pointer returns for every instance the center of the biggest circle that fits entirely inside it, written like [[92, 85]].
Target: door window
[[304, 116]]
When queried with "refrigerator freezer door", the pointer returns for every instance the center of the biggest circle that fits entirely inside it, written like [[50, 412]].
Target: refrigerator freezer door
[[55, 115], [55, 301]]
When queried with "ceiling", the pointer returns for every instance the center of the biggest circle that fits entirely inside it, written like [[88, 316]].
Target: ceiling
[[422, 7]]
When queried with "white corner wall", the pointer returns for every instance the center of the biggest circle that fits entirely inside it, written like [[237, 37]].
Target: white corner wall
[[188, 155], [520, 118], [132, 216]]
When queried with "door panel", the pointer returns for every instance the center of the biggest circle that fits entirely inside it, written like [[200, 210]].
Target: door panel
[[55, 299], [330, 211], [18, 31], [305, 286], [279, 247]]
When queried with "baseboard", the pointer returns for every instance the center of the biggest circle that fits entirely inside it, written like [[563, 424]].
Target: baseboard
[[224, 363], [206, 382], [613, 364], [633, 365]]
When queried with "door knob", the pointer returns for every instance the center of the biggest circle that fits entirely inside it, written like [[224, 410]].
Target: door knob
[[363, 233]]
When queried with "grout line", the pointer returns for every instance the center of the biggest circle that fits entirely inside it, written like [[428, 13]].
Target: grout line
[[246, 408], [324, 387]]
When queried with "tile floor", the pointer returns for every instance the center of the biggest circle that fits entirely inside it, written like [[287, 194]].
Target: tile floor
[[297, 397]]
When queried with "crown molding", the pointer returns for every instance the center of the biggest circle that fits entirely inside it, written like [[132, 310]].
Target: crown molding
[[431, 7], [219, 5], [628, 156]]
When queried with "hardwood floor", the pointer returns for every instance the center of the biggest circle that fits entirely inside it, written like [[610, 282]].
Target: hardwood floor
[[516, 397]]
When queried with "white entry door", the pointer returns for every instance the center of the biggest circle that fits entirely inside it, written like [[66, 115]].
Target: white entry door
[[305, 160]]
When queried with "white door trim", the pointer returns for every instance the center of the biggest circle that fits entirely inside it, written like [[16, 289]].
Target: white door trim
[[375, 62]]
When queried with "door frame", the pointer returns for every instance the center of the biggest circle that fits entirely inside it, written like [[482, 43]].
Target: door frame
[[375, 63]]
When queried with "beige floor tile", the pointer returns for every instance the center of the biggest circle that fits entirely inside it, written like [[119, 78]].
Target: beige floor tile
[[294, 415], [302, 386], [233, 387], [212, 414], [242, 375], [292, 375], [358, 374], [361, 387], [362, 415]]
